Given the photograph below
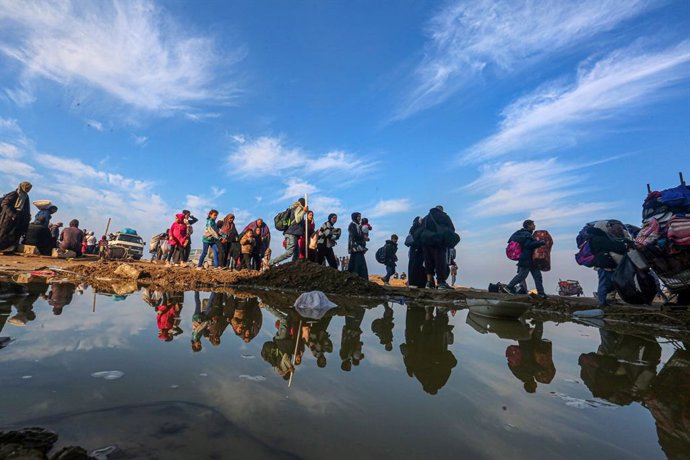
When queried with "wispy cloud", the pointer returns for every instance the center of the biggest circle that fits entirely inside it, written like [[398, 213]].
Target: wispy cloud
[[544, 190], [95, 124], [470, 38], [270, 156], [131, 50], [387, 207], [141, 140], [201, 204], [295, 188], [550, 117]]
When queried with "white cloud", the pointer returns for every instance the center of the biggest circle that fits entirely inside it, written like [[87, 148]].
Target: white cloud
[[550, 117], [141, 140], [201, 116], [296, 188], [546, 191], [131, 50], [387, 207], [324, 205], [9, 150], [95, 124], [239, 138], [201, 204], [269, 156], [471, 38]]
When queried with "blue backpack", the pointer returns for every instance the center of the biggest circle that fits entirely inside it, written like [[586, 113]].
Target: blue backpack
[[676, 197]]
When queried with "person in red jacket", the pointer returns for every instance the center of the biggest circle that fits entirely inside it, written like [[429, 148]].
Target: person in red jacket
[[178, 239]]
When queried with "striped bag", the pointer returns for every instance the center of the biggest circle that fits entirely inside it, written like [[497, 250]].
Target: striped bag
[[679, 231]]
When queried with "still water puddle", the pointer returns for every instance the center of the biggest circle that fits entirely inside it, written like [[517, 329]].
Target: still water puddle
[[214, 375]]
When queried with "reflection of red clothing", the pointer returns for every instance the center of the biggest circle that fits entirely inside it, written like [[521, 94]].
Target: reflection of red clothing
[[301, 242], [166, 317]]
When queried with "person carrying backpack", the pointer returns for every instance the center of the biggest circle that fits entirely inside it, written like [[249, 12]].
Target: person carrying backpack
[[525, 265], [435, 233], [388, 257], [294, 230], [328, 237], [608, 243]]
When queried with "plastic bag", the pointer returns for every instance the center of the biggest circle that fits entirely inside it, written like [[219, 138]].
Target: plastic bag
[[313, 305]]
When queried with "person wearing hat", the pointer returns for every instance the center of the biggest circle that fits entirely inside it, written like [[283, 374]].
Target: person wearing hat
[[296, 229], [15, 216]]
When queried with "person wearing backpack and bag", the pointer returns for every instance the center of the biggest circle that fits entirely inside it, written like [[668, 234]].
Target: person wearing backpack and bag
[[293, 231], [210, 239], [437, 235], [607, 241], [387, 256], [528, 244]]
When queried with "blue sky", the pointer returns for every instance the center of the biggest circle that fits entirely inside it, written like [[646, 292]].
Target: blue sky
[[559, 111]]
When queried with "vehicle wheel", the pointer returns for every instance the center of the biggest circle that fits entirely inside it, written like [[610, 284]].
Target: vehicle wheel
[[136, 257]]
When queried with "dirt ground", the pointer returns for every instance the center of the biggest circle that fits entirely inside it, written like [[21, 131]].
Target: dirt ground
[[110, 277]]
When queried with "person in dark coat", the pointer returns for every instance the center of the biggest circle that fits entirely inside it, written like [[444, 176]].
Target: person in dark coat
[[390, 258], [263, 241], [298, 212], [415, 265], [328, 237], [72, 238], [38, 234], [525, 266], [607, 238], [15, 215], [357, 247], [435, 247]]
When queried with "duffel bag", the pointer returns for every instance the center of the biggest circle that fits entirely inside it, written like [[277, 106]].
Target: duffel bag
[[679, 231], [635, 286]]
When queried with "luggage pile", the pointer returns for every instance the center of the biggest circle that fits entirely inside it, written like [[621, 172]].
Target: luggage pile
[[664, 239], [569, 288]]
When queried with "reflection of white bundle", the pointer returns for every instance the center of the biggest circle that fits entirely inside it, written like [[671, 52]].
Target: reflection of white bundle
[[43, 204], [313, 305]]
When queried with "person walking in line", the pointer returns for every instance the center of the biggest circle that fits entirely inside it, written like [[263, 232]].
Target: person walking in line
[[390, 258], [178, 240], [433, 233], [293, 232], [15, 216], [247, 242], [525, 265], [608, 242], [262, 235], [72, 238], [357, 247], [210, 239], [328, 237], [230, 240], [189, 220]]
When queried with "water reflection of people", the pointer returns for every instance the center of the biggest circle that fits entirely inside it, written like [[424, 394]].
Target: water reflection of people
[[425, 351], [279, 351], [622, 369], [168, 316], [531, 360], [319, 340], [246, 318], [350, 343], [22, 298], [383, 327], [60, 295]]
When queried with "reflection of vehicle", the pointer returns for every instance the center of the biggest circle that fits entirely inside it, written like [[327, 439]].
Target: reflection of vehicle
[[130, 241]]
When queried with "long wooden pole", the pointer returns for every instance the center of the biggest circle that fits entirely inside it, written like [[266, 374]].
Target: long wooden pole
[[107, 227], [294, 355]]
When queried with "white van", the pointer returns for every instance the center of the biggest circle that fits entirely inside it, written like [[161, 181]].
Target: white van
[[130, 241]]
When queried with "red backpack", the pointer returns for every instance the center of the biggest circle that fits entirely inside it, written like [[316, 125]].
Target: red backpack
[[541, 257], [513, 250]]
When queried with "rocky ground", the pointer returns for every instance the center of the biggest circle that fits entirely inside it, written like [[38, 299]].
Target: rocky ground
[[126, 277]]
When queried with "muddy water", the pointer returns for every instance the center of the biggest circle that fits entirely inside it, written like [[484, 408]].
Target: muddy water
[[388, 382]]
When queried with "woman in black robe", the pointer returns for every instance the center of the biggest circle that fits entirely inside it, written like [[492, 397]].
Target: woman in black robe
[[15, 215], [357, 246], [415, 267]]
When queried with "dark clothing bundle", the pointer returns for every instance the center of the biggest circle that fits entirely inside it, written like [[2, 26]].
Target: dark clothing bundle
[[415, 267], [71, 239], [528, 244], [601, 245], [13, 222], [39, 235], [435, 233]]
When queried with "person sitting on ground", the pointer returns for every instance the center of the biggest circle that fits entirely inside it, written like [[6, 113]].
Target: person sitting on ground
[[55, 233], [390, 258], [366, 228], [328, 237], [525, 265], [293, 232], [210, 239], [431, 232], [72, 238], [46, 214], [608, 241], [91, 243], [247, 242], [15, 216], [38, 235]]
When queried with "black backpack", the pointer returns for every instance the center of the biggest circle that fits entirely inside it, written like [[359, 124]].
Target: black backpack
[[283, 220], [380, 255]]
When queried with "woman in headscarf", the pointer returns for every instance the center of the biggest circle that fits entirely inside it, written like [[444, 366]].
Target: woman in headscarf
[[229, 241], [356, 247], [15, 216], [302, 241], [262, 235], [328, 235], [415, 267]]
